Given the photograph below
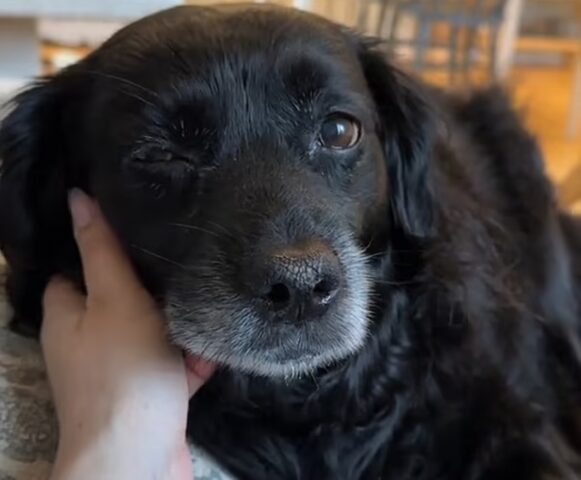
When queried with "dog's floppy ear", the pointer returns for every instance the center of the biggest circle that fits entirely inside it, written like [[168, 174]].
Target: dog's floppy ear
[[34, 223], [407, 128], [29, 143]]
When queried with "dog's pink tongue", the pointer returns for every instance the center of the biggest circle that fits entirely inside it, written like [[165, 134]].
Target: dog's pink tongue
[[203, 369]]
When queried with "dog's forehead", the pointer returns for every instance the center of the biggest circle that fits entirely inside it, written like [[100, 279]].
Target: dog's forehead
[[192, 39], [238, 71], [235, 22]]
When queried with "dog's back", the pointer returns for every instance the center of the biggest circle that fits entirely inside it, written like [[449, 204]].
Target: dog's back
[[548, 238], [571, 226]]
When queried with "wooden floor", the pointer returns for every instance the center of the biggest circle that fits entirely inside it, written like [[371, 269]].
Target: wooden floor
[[544, 97]]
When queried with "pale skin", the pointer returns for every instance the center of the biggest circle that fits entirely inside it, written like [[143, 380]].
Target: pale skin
[[120, 389]]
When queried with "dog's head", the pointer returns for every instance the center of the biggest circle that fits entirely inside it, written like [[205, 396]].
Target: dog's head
[[248, 159]]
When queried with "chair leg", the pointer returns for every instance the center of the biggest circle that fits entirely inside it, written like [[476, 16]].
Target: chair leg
[[493, 44], [423, 43], [381, 19], [391, 33], [575, 112], [510, 23], [466, 54], [363, 16], [453, 54]]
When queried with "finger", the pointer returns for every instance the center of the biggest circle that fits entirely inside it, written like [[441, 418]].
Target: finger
[[198, 372], [107, 271], [63, 306]]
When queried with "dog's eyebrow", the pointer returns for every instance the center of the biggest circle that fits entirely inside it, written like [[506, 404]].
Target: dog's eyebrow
[[313, 77], [303, 75]]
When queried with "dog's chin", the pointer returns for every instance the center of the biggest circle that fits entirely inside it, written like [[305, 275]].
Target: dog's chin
[[282, 366], [285, 358]]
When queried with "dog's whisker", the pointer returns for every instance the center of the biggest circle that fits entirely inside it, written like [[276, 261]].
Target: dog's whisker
[[395, 283], [196, 228], [136, 97], [373, 255], [157, 255], [315, 381], [369, 243], [184, 66], [221, 228], [117, 78]]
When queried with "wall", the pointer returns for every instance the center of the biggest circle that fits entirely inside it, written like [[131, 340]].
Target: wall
[[83, 9], [19, 52]]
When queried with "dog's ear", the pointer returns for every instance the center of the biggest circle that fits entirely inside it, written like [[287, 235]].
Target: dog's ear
[[407, 129], [29, 143], [34, 223]]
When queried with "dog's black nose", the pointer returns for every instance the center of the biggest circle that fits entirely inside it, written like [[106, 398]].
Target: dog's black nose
[[300, 281]]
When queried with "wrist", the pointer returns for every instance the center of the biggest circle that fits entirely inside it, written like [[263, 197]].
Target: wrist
[[109, 454]]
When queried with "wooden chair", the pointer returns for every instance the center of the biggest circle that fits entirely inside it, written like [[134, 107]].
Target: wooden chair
[[466, 21]]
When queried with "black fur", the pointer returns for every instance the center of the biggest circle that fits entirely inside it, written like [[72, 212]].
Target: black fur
[[472, 367]]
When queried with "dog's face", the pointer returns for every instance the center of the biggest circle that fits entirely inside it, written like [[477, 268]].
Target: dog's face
[[243, 157]]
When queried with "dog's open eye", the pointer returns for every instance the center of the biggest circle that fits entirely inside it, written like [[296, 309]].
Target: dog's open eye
[[339, 132]]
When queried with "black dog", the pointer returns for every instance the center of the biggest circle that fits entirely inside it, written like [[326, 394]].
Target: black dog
[[380, 268]]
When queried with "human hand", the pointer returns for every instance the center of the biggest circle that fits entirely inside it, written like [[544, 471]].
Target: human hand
[[121, 391]]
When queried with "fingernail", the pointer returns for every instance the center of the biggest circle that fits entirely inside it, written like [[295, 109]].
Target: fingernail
[[81, 208]]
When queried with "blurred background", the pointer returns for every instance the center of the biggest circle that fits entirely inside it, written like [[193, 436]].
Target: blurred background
[[532, 46]]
